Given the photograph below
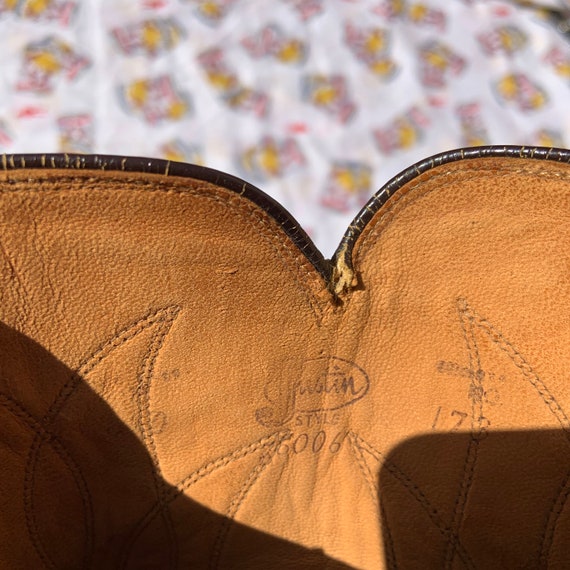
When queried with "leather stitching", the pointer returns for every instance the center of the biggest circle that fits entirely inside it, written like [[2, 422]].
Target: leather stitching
[[273, 439], [143, 404], [71, 385], [293, 263], [20, 411], [552, 404], [390, 550], [556, 510], [237, 502], [416, 494], [405, 199], [473, 445], [369, 479], [364, 469]]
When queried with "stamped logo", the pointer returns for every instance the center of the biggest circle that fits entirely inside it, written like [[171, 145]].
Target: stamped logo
[[326, 384]]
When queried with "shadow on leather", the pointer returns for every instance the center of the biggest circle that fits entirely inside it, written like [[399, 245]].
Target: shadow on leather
[[80, 490], [486, 500]]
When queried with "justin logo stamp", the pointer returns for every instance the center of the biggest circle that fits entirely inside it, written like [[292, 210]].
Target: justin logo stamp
[[327, 384]]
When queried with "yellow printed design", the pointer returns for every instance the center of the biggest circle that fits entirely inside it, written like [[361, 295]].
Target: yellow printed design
[[437, 63], [271, 41], [271, 158], [156, 99], [518, 89], [372, 47], [180, 151], [403, 133], [549, 138], [212, 11], [422, 14], [503, 39], [348, 186], [43, 61], [150, 37], [237, 96], [61, 11], [560, 62], [329, 93]]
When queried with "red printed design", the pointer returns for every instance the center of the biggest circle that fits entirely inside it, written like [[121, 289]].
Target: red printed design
[[329, 93], [437, 63], [271, 158], [60, 11], [156, 99], [76, 133], [390, 9], [271, 41], [402, 133], [504, 39], [417, 13], [549, 138], [150, 37], [473, 129], [5, 135], [226, 82], [307, 9], [423, 15], [560, 62], [372, 47], [181, 151], [46, 60], [518, 89], [348, 186]]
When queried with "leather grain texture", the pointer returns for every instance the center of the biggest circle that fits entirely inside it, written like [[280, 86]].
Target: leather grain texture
[[186, 383]]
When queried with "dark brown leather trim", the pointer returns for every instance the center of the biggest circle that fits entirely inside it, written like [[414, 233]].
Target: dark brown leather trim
[[346, 245], [290, 226], [169, 168]]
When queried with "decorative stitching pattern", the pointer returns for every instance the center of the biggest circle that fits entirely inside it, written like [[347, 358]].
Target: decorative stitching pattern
[[391, 562], [416, 494], [34, 425], [498, 339], [476, 430], [62, 397], [274, 439], [143, 405], [376, 499], [237, 502]]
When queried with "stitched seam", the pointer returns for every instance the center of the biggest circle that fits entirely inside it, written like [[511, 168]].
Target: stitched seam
[[473, 445], [547, 536], [143, 404], [19, 411], [527, 371], [196, 476], [400, 200], [364, 469], [552, 404], [388, 540], [416, 494], [237, 502], [271, 236], [71, 385], [375, 494]]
